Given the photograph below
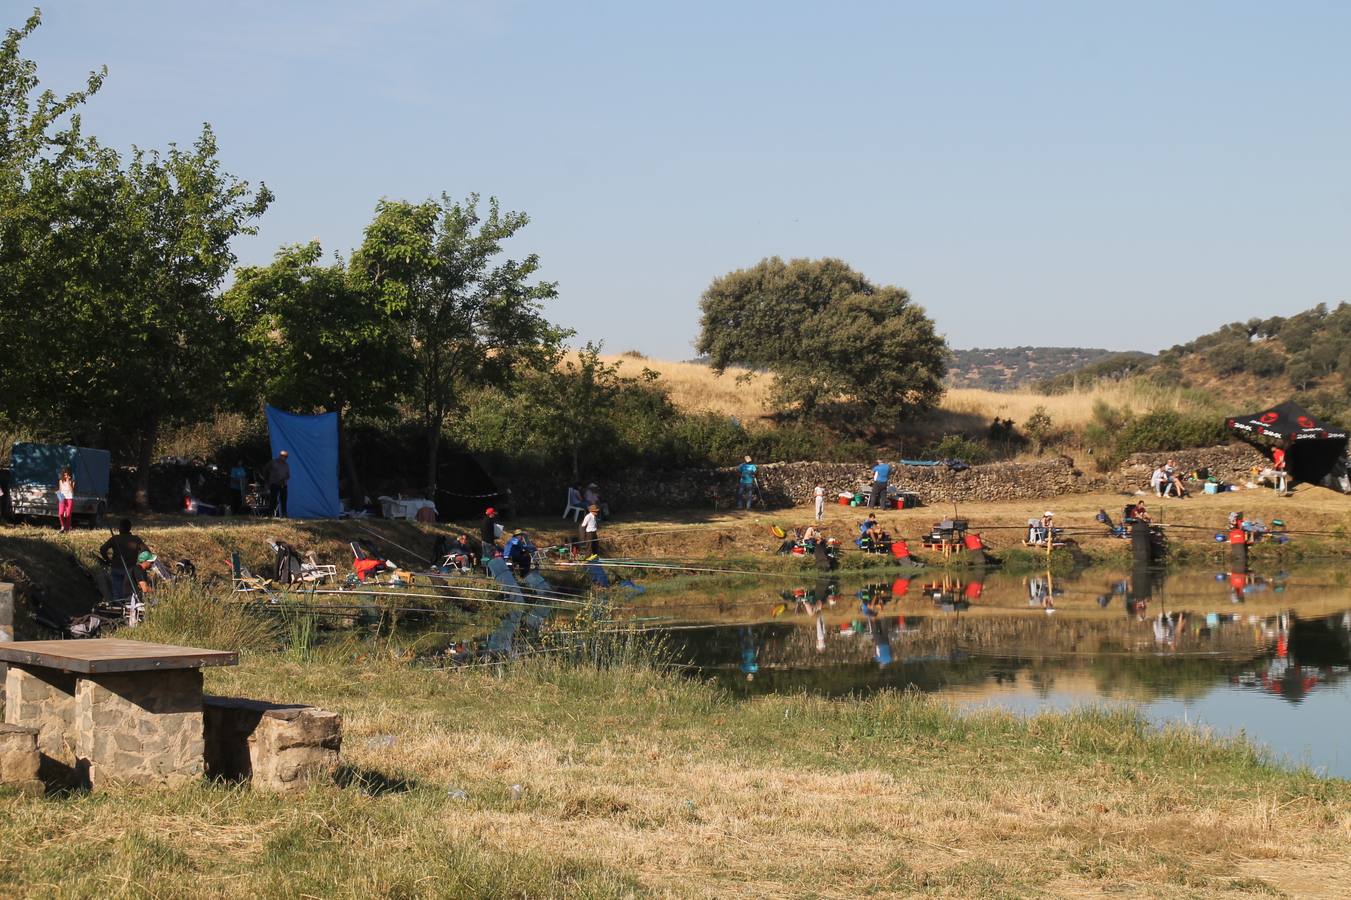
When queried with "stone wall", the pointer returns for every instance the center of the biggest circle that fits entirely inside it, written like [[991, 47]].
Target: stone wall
[[44, 699], [1231, 463], [790, 484], [19, 759], [136, 730], [272, 746]]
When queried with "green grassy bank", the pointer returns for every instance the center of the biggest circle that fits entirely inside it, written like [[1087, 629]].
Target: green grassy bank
[[636, 781]]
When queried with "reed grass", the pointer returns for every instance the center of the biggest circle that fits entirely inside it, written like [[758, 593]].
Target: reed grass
[[190, 614]]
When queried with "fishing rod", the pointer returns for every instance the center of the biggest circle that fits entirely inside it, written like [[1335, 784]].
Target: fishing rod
[[522, 602], [452, 579], [680, 568]]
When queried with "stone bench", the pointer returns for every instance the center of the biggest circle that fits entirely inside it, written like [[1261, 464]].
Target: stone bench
[[272, 746], [19, 759]]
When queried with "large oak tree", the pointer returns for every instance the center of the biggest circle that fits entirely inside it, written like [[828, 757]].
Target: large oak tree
[[842, 350]]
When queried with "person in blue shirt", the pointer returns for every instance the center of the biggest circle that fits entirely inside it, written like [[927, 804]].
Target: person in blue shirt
[[746, 487], [518, 552], [239, 485], [881, 475]]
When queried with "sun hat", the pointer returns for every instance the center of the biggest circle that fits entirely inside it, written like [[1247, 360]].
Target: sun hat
[[593, 508], [145, 557], [1048, 514], [283, 453], [518, 531]]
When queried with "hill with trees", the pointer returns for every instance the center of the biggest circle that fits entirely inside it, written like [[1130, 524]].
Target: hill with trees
[[1010, 368], [1306, 356]]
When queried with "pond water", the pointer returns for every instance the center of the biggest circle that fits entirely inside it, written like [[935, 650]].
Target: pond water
[[1266, 656]]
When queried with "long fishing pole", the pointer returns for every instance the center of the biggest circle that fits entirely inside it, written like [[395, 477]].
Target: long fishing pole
[[332, 591]]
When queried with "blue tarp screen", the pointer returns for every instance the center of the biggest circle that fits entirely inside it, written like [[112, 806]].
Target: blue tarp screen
[[311, 444]]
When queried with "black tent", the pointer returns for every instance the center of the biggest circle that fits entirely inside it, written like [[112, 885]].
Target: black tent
[[1311, 447]]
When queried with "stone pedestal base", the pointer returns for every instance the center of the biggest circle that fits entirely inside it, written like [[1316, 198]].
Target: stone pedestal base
[[44, 700], [19, 759], [139, 730], [273, 746]]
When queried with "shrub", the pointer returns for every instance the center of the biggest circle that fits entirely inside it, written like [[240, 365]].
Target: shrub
[[187, 613], [1169, 430], [1038, 428], [956, 446]]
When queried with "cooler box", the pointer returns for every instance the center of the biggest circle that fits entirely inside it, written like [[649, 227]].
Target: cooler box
[[1211, 488]]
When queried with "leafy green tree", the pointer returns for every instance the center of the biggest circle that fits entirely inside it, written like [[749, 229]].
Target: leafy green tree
[[468, 317], [42, 218], [841, 348], [34, 126], [315, 339], [180, 212]]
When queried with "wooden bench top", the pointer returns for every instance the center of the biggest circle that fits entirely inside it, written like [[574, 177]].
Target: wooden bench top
[[91, 657]]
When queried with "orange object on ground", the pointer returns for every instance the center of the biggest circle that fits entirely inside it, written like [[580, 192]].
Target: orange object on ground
[[364, 567], [973, 542], [1238, 536], [900, 549]]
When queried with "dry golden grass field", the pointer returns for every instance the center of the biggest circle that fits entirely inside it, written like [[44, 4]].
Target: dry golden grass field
[[694, 386]]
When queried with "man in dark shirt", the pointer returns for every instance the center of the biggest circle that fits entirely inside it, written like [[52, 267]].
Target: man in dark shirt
[[488, 532], [121, 552], [278, 474]]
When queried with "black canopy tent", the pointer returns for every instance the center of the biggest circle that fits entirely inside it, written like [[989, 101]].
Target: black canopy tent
[[1312, 448]]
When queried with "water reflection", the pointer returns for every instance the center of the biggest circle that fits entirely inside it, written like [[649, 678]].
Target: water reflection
[[1218, 650]]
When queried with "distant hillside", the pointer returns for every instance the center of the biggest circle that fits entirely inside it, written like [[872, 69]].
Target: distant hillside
[[1008, 368], [1306, 356]]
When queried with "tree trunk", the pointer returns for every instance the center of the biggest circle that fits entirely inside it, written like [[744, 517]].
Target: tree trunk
[[433, 451], [357, 494], [144, 458]]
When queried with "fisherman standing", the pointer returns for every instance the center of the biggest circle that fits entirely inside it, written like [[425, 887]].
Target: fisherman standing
[[881, 476], [590, 535], [746, 484], [278, 476], [487, 532]]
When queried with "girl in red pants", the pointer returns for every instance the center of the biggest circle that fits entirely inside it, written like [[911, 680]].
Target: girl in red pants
[[65, 500]]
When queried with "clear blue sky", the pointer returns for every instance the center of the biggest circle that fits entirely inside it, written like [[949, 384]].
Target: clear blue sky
[[1116, 175]]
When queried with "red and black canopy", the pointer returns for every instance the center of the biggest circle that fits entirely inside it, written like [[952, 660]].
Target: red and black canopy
[[1311, 447]]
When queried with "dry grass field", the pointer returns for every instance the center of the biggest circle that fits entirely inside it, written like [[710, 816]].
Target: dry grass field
[[695, 387], [547, 779]]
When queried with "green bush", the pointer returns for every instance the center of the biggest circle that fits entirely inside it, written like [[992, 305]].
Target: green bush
[[956, 446], [1169, 430], [188, 614]]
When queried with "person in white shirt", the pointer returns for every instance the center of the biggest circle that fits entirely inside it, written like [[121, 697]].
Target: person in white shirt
[[65, 500], [820, 495], [591, 531]]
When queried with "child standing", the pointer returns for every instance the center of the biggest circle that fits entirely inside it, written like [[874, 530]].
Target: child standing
[[65, 500], [820, 494]]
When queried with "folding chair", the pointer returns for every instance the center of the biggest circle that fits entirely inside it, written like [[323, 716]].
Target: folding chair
[[245, 582], [575, 508], [366, 563], [313, 570]]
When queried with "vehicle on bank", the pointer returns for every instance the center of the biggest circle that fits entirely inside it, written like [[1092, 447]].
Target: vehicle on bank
[[35, 468]]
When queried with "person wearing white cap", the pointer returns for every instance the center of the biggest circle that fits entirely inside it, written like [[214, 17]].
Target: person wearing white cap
[[1042, 529], [278, 474]]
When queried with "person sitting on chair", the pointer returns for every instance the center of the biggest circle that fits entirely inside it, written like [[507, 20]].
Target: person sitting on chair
[[148, 573], [1174, 476], [518, 552], [594, 498]]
